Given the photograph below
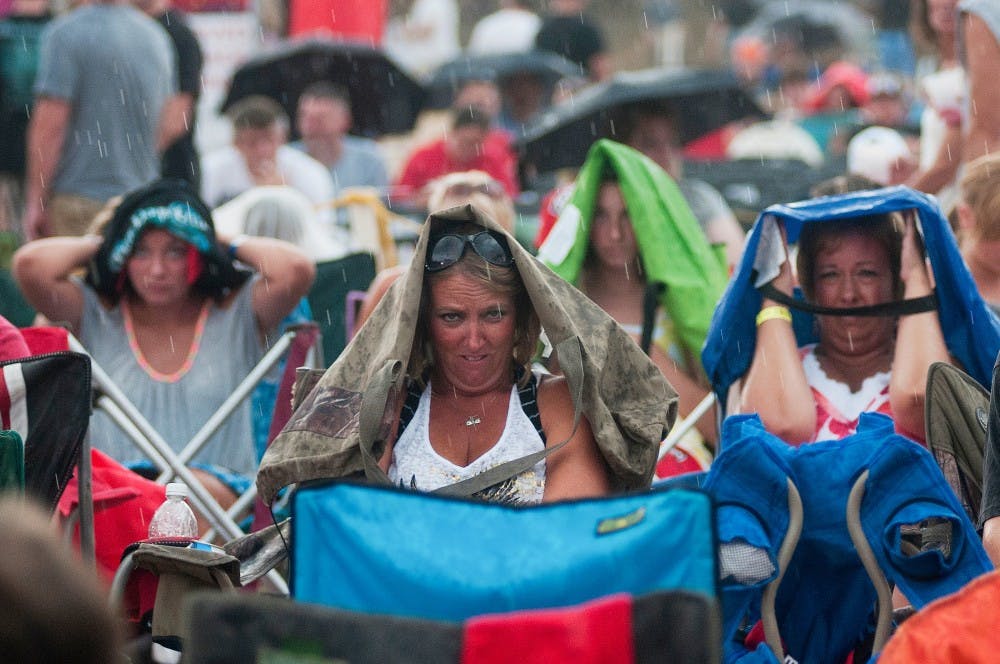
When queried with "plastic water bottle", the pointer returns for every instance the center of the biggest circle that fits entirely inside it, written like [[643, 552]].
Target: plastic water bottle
[[174, 517]]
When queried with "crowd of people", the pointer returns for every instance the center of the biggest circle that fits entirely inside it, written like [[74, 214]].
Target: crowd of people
[[529, 324]]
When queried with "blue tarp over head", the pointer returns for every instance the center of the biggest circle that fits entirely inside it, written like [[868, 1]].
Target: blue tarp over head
[[971, 330]]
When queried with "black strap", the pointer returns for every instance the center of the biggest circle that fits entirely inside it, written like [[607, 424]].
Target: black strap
[[650, 302], [917, 305], [529, 404], [413, 393]]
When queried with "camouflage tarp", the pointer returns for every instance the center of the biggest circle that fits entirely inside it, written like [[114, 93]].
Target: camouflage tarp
[[341, 427]]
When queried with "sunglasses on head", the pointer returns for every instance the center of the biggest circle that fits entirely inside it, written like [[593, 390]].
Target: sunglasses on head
[[446, 250]]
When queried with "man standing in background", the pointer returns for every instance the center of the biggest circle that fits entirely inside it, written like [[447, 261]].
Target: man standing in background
[[105, 74], [180, 158]]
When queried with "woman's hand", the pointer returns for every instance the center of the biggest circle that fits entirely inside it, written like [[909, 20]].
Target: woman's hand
[[784, 282], [913, 269], [919, 339]]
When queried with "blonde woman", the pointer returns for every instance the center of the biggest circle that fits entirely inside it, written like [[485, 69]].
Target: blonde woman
[[979, 225], [475, 187]]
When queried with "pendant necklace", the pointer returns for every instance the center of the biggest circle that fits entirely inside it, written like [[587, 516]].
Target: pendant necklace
[[474, 418]]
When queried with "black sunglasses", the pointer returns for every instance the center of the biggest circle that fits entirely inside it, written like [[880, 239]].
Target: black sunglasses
[[446, 250]]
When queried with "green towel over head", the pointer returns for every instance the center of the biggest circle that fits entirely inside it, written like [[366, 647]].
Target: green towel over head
[[672, 247]]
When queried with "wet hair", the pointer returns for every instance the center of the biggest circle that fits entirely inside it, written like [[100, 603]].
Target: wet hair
[[816, 237], [500, 208], [257, 112], [980, 187], [842, 184], [471, 116], [327, 90], [172, 205], [626, 121], [501, 280]]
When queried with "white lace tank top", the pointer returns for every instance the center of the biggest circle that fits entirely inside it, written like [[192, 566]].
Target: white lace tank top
[[416, 465]]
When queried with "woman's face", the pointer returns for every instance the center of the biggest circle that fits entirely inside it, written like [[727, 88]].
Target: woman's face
[[852, 271], [941, 16], [158, 268], [471, 333], [612, 237]]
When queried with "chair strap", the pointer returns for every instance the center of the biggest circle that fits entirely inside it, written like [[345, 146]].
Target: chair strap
[[650, 302], [914, 305], [768, 617], [870, 563]]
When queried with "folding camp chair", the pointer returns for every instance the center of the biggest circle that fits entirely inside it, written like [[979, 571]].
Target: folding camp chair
[[373, 226], [45, 399], [956, 412], [110, 398], [385, 550], [181, 567], [669, 626], [876, 510]]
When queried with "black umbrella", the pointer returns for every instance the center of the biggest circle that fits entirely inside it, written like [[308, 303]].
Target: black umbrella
[[702, 101], [384, 99], [817, 28], [549, 67]]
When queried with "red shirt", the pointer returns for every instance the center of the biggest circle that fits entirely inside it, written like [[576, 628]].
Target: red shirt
[[432, 161], [12, 345]]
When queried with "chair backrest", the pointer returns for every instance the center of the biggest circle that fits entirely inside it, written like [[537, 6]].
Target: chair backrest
[[659, 627], [385, 550], [876, 508], [328, 298], [46, 400], [956, 413], [11, 461]]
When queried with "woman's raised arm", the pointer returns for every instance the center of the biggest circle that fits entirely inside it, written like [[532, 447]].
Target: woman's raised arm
[[775, 387], [42, 269], [919, 341], [577, 470], [286, 275]]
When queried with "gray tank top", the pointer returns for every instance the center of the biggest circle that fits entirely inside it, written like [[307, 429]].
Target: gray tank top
[[229, 348]]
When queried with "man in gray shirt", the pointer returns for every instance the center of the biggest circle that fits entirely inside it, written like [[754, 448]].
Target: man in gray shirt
[[105, 74], [323, 120]]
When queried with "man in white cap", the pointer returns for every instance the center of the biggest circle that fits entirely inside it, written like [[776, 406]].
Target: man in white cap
[[881, 155]]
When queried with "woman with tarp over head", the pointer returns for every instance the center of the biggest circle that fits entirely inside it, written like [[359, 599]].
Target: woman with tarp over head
[[630, 243], [436, 391], [881, 294]]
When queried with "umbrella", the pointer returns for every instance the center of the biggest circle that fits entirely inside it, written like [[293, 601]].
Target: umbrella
[[384, 99], [817, 28], [703, 101], [549, 67]]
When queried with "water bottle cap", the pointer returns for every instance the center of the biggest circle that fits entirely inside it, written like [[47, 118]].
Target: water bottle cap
[[177, 489]]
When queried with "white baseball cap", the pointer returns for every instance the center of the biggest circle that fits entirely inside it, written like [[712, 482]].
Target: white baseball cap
[[873, 151]]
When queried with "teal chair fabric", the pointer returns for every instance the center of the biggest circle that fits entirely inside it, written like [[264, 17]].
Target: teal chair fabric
[[378, 549], [11, 461], [328, 298], [13, 306]]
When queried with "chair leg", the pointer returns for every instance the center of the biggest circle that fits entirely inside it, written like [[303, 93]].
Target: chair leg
[[86, 499]]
